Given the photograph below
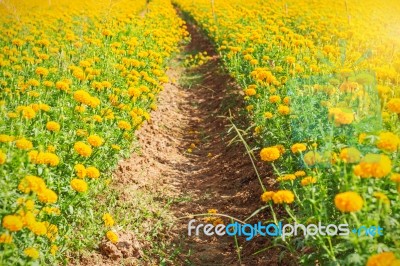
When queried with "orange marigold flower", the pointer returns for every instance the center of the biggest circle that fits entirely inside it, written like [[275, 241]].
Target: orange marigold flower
[[79, 185], [283, 196], [395, 177], [12, 223], [31, 183], [3, 157], [47, 196], [394, 105], [308, 180], [83, 149], [108, 219], [5, 238], [80, 170], [349, 201], [388, 141], [95, 140], [374, 165], [113, 237], [283, 109], [298, 147], [92, 172], [53, 126], [350, 155], [124, 125], [383, 259], [267, 196], [32, 253], [270, 154], [24, 144], [300, 173]]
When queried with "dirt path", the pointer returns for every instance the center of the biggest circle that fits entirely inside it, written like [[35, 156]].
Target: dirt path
[[192, 112]]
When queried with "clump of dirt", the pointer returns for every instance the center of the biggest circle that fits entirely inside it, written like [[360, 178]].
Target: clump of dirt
[[126, 247]]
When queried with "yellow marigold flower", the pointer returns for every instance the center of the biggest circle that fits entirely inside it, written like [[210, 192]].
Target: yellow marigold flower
[[51, 159], [394, 105], [92, 172], [24, 144], [300, 173], [383, 259], [28, 112], [82, 96], [53, 126], [373, 165], [51, 148], [108, 220], [311, 158], [382, 197], [106, 32], [80, 108], [53, 250], [12, 223], [287, 177], [250, 92], [283, 109], [6, 138], [124, 125], [286, 100], [38, 228], [5, 238], [290, 59], [79, 185], [31, 183], [97, 118], [350, 155], [47, 196], [249, 107], [83, 149], [274, 99], [62, 85], [283, 196], [388, 141], [267, 196], [80, 170], [341, 117], [349, 201], [116, 147], [29, 204], [42, 71], [270, 154], [298, 147], [113, 237], [32, 253], [308, 180], [280, 147], [95, 140], [3, 157], [268, 115], [395, 177], [52, 210]]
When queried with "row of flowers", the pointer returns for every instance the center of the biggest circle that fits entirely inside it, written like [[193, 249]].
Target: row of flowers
[[76, 79], [321, 84]]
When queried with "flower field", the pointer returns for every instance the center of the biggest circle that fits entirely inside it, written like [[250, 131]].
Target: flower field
[[320, 83], [77, 78]]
